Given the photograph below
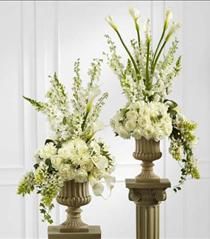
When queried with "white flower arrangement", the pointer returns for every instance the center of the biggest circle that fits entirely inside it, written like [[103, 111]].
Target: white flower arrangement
[[141, 119], [73, 152], [146, 80]]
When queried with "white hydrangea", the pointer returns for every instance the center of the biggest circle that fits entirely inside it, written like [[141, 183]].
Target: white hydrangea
[[47, 151], [75, 150], [56, 161], [66, 172], [81, 175], [140, 119]]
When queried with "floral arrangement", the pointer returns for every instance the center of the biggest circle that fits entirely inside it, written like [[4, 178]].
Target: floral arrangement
[[73, 152], [146, 80]]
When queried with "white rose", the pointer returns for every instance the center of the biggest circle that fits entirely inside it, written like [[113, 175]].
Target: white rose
[[81, 176], [130, 125], [137, 134], [123, 132], [47, 151], [56, 161], [66, 172], [132, 115]]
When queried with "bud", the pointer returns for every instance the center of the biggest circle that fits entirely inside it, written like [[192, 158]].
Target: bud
[[148, 31], [168, 17], [174, 27], [111, 23], [135, 14]]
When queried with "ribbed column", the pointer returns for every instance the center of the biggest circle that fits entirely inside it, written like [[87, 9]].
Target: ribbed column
[[147, 221], [147, 197]]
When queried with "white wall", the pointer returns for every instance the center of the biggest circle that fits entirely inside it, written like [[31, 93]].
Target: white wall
[[38, 38]]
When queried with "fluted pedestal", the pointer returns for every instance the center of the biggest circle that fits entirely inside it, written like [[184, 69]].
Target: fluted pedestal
[[147, 190], [147, 197]]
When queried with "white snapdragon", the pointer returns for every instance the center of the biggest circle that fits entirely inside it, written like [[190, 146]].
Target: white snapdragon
[[47, 151]]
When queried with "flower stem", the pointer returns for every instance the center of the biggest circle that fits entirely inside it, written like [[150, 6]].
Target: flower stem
[[147, 66], [157, 48], [124, 45], [156, 60], [138, 34]]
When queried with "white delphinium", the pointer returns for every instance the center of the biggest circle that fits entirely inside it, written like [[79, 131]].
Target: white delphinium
[[76, 151]]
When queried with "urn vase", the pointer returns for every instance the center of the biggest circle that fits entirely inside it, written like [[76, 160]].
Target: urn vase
[[74, 195], [147, 151]]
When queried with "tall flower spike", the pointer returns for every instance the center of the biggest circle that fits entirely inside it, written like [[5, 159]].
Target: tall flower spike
[[110, 21]]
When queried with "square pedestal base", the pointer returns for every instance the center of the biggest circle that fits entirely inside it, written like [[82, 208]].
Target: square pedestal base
[[93, 233]]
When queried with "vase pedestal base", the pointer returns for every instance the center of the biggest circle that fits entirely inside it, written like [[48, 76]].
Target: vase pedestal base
[[94, 232], [147, 197]]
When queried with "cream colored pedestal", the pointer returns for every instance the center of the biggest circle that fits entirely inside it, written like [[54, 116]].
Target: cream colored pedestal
[[94, 232], [147, 197]]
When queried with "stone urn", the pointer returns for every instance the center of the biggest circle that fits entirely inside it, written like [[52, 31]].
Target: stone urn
[[147, 151], [74, 195]]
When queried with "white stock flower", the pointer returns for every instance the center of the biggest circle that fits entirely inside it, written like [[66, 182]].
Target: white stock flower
[[98, 188], [47, 151]]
